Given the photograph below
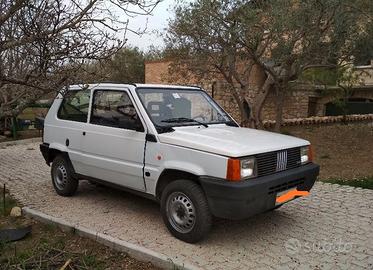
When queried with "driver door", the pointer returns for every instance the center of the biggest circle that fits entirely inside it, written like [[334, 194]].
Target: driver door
[[114, 140]]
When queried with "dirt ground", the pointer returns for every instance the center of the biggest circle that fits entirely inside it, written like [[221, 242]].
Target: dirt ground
[[49, 248], [342, 151], [22, 135]]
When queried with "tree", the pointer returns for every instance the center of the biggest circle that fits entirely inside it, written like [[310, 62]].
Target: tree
[[363, 52], [346, 79], [155, 53], [126, 66], [46, 44], [280, 38]]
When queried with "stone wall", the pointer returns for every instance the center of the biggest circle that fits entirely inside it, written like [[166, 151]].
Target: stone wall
[[366, 73], [296, 105], [303, 101], [156, 72], [324, 120]]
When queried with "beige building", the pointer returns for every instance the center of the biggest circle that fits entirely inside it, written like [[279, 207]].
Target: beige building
[[304, 101]]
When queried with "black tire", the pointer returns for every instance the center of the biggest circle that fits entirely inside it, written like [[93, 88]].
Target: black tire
[[62, 177], [190, 201]]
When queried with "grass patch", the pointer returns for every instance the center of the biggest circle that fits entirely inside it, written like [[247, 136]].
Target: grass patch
[[9, 203], [363, 182], [46, 249], [92, 262]]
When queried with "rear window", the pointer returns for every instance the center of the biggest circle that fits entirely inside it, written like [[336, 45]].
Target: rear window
[[74, 106]]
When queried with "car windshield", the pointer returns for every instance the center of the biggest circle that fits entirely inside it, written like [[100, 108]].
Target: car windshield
[[168, 107]]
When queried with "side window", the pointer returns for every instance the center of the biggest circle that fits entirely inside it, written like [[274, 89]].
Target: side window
[[114, 109], [74, 106]]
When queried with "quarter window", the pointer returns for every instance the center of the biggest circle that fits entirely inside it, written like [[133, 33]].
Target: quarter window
[[114, 109], [74, 106]]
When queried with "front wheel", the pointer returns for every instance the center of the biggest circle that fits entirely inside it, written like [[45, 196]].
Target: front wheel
[[185, 211], [62, 177]]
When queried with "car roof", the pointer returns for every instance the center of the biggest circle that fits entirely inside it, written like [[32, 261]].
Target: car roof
[[130, 86], [170, 86]]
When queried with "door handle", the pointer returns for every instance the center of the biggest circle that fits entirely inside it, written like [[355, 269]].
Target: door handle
[[83, 133]]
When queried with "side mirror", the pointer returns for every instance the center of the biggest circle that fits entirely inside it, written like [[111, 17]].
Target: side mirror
[[132, 124]]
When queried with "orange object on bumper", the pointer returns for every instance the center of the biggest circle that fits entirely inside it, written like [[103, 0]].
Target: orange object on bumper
[[291, 195]]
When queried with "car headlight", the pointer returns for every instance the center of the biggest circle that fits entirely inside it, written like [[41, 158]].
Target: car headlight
[[248, 167], [239, 169], [305, 154]]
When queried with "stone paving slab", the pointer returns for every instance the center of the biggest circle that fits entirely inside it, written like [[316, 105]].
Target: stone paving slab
[[330, 229]]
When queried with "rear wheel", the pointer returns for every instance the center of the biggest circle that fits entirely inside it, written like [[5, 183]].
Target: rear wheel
[[185, 211], [62, 177]]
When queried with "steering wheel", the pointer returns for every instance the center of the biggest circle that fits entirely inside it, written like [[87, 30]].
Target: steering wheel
[[123, 107]]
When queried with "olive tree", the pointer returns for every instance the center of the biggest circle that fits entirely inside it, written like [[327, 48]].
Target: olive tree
[[125, 66], [46, 44], [228, 38]]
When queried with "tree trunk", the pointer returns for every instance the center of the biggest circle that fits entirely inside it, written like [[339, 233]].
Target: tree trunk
[[344, 110], [241, 105], [346, 95], [245, 117], [279, 108], [2, 125], [259, 102]]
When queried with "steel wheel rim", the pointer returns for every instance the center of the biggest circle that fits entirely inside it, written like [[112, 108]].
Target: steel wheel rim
[[60, 177], [180, 212]]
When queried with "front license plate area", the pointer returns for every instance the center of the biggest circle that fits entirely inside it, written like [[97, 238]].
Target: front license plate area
[[281, 193]]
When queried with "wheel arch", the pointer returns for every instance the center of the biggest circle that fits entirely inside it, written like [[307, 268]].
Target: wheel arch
[[169, 175], [54, 152], [50, 151]]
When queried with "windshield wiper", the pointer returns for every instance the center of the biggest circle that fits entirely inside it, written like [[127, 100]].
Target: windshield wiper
[[183, 120], [231, 124], [163, 129]]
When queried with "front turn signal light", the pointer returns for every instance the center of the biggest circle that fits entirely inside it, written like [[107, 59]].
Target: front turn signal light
[[234, 170]]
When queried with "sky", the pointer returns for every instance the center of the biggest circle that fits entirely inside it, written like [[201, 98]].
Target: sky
[[156, 22]]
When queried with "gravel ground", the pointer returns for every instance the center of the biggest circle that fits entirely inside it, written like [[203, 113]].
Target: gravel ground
[[330, 229]]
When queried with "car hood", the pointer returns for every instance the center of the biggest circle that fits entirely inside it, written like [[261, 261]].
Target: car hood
[[230, 141]]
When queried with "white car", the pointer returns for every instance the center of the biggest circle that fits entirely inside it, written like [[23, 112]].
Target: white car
[[176, 145]]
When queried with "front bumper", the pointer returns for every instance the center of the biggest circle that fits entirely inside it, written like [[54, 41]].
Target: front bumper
[[239, 200]]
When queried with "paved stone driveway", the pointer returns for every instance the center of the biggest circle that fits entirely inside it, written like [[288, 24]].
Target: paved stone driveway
[[330, 229]]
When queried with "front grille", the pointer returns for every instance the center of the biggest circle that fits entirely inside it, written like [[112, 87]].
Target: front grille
[[272, 162]]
